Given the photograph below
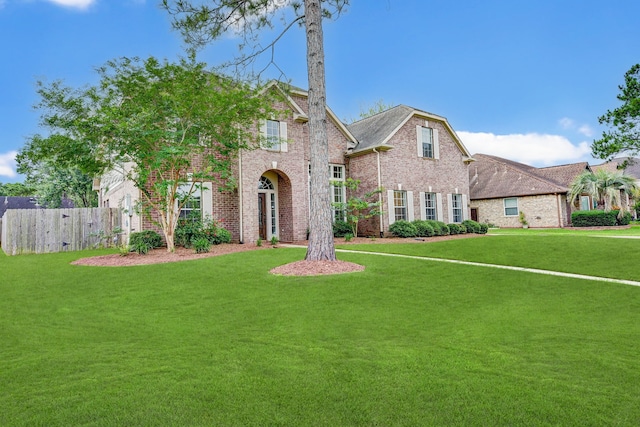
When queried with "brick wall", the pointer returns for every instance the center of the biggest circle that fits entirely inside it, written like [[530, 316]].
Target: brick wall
[[549, 210]]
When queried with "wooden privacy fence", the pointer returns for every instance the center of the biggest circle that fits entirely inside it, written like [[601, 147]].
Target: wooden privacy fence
[[55, 230]]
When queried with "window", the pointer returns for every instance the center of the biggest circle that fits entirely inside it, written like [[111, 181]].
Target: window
[[585, 203], [427, 142], [456, 207], [511, 206], [336, 172], [400, 205], [192, 208], [431, 206], [275, 135]]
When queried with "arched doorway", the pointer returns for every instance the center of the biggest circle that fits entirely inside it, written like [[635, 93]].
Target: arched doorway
[[267, 207]]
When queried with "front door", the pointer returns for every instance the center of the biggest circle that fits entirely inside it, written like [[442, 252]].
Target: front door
[[474, 214], [262, 215]]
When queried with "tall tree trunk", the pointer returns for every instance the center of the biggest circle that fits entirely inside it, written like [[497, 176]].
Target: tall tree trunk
[[321, 246]]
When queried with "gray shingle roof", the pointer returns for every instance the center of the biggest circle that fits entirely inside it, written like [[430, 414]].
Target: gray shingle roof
[[632, 168], [13, 202], [492, 177], [372, 131]]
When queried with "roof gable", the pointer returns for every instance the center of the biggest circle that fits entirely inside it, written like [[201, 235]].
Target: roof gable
[[376, 131]]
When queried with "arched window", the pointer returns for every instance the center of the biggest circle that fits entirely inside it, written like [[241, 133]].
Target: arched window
[[265, 184]]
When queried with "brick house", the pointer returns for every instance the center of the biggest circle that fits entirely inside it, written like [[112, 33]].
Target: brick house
[[500, 189], [415, 156]]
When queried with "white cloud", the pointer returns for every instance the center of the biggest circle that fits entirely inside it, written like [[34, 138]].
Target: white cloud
[[532, 148], [566, 123], [8, 164], [78, 4], [586, 130]]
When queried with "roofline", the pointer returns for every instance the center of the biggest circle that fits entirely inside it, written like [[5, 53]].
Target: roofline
[[425, 115]]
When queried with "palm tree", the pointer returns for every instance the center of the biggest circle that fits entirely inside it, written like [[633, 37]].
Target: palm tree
[[603, 186]]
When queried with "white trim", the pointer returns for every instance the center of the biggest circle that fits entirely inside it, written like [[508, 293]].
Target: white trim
[[419, 140], [391, 206], [439, 208], [465, 207], [283, 137], [206, 200], [436, 143], [410, 215], [450, 207], [423, 206]]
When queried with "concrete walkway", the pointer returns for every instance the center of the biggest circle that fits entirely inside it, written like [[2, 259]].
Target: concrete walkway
[[502, 267]]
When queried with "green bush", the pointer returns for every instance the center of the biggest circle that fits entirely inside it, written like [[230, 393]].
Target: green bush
[[454, 228], [472, 226], [423, 228], [403, 229], [149, 237], [484, 228], [201, 245], [341, 228], [439, 227], [594, 218], [189, 230], [140, 247], [624, 220]]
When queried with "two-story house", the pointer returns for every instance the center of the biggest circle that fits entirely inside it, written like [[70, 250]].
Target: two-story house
[[416, 157]]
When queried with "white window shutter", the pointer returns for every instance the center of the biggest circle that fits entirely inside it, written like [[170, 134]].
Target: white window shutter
[[450, 207], [436, 144], [465, 208], [423, 206], [263, 134], [283, 137], [391, 206], [439, 207], [207, 199], [419, 140], [410, 215]]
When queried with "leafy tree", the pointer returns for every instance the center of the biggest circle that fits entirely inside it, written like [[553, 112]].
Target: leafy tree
[[203, 22], [603, 186], [16, 189], [163, 124], [625, 121], [358, 208], [378, 107], [53, 183]]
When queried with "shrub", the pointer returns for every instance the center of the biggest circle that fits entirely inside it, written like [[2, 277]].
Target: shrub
[[595, 218], [439, 227], [201, 245], [454, 228], [150, 237], [403, 229], [341, 229], [472, 226], [423, 228], [463, 229], [624, 220], [348, 237], [190, 229], [140, 247], [484, 228]]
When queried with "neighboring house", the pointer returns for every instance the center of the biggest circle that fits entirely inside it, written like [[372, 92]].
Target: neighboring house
[[13, 202], [415, 156], [629, 166], [500, 189]]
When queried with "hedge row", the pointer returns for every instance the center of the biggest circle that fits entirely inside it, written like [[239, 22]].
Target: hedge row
[[428, 228], [597, 218]]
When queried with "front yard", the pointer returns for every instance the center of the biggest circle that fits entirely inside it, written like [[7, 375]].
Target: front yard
[[220, 341]]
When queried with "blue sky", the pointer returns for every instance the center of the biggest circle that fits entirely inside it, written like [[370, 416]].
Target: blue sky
[[525, 80]]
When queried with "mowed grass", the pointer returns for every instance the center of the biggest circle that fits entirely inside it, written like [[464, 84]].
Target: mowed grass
[[581, 254], [220, 341]]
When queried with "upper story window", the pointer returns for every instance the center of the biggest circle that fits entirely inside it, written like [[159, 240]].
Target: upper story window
[[511, 206], [427, 142], [274, 135], [427, 139]]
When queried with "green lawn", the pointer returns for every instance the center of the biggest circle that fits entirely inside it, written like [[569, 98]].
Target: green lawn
[[220, 341]]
